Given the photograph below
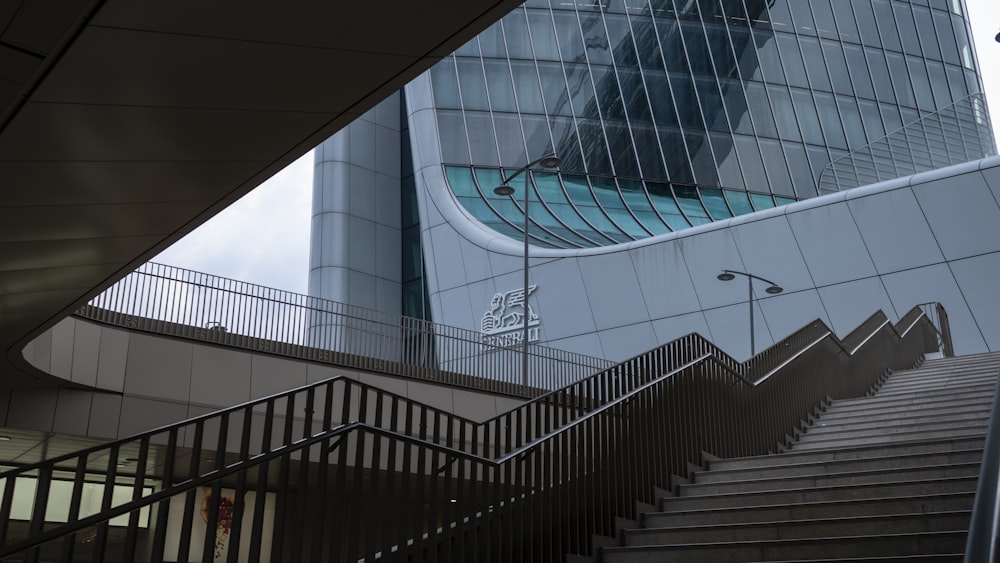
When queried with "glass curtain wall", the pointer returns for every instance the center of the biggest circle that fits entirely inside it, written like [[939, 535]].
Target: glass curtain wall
[[673, 113]]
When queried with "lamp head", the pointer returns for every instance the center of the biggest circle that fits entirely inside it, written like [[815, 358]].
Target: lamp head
[[726, 276], [551, 161], [503, 190], [774, 290]]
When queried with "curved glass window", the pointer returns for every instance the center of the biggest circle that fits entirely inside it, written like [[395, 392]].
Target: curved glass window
[[690, 204], [761, 201], [579, 193], [715, 203], [663, 200], [739, 202], [552, 192], [635, 198], [668, 113], [571, 211], [606, 191]]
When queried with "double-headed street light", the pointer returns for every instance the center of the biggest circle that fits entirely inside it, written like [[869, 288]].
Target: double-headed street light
[[548, 161], [773, 289]]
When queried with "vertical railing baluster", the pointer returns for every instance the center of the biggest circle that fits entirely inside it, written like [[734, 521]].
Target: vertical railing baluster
[[408, 520], [163, 510], [138, 487], [319, 517], [302, 525], [184, 546], [239, 496], [281, 511], [101, 533], [211, 501], [376, 533], [69, 541], [43, 487], [391, 532], [358, 538], [257, 528]]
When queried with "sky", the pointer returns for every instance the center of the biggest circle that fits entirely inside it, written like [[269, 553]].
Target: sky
[[264, 237]]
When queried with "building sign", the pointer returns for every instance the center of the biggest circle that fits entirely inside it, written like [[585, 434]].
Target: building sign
[[503, 323]]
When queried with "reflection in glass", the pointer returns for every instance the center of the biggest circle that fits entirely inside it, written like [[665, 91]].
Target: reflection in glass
[[666, 113]]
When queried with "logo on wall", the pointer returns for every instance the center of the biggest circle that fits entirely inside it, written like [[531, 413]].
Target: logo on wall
[[503, 323]]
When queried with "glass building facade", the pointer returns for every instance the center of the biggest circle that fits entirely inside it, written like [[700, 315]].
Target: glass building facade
[[668, 114]]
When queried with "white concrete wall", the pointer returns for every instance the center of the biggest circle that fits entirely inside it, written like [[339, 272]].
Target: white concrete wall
[[355, 254], [147, 381], [930, 237]]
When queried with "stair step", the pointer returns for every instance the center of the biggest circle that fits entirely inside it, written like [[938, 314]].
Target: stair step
[[960, 360], [819, 443], [941, 380], [885, 463], [949, 444], [949, 365], [915, 488], [828, 467], [935, 392], [980, 382], [917, 418], [984, 373], [903, 410], [934, 558], [831, 479], [895, 545], [918, 377], [834, 413], [917, 400], [799, 529], [894, 385], [904, 504], [953, 364], [896, 427], [830, 419]]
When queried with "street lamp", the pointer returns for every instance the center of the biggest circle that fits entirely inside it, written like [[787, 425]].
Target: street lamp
[[548, 161], [774, 289]]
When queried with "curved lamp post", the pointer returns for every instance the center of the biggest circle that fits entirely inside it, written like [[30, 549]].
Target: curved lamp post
[[773, 289], [548, 161]]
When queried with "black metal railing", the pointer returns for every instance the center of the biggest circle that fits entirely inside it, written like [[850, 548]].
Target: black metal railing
[[343, 471], [939, 318], [183, 303]]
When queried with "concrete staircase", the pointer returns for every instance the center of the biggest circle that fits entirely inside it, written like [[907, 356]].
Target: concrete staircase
[[888, 477]]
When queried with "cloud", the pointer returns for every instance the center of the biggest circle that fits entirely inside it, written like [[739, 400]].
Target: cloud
[[263, 238]]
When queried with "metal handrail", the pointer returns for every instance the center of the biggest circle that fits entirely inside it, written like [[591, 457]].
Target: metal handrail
[[445, 451], [182, 303], [323, 436], [939, 320], [983, 543], [536, 400]]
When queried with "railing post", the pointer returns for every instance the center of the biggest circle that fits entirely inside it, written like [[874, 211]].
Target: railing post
[[949, 350]]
